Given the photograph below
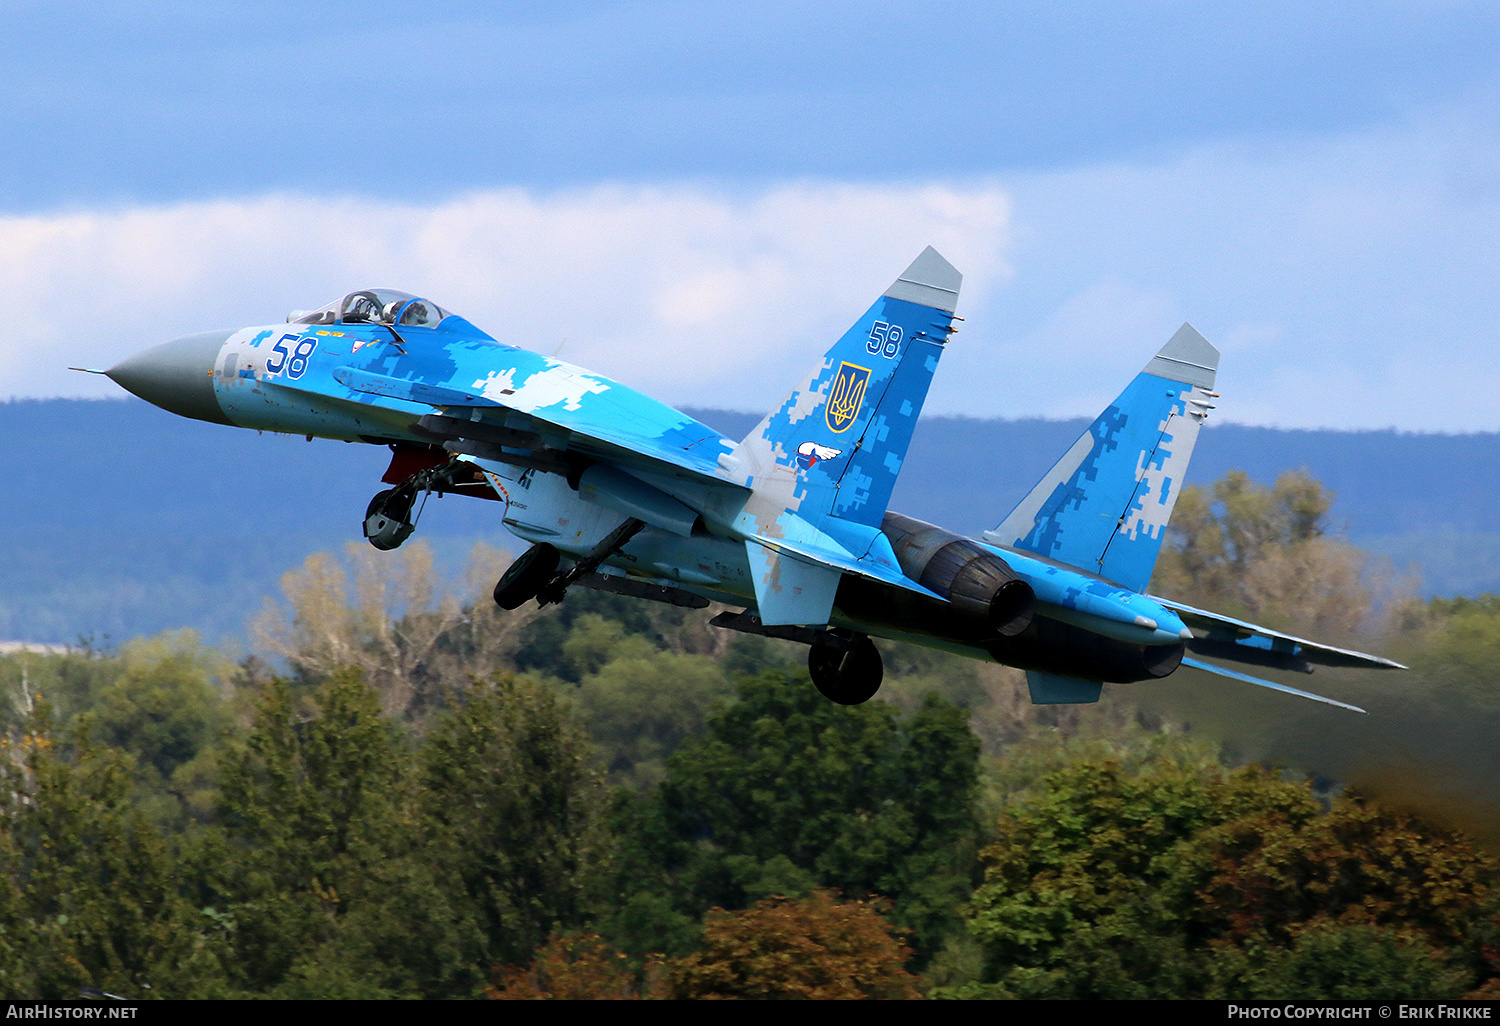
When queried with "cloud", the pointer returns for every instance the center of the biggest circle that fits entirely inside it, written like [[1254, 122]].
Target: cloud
[[694, 296], [1351, 281]]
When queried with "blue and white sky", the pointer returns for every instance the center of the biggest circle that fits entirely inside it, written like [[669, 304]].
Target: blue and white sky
[[697, 198]]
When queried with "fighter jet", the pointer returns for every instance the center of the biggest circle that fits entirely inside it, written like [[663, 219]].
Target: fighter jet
[[788, 528]]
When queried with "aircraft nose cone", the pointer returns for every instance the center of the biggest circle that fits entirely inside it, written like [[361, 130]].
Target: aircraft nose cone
[[176, 375]]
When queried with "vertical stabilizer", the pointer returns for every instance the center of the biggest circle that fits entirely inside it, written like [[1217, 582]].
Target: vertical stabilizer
[[1104, 507], [822, 464]]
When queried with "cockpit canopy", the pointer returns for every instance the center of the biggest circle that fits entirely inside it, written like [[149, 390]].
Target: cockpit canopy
[[375, 306]]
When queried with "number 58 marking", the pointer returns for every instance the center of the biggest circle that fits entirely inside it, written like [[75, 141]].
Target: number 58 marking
[[293, 361], [885, 340]]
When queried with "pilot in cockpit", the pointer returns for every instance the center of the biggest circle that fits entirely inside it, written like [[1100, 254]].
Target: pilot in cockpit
[[375, 306]]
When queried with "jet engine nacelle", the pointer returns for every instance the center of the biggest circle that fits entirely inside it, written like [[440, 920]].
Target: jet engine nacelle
[[1051, 646], [986, 599]]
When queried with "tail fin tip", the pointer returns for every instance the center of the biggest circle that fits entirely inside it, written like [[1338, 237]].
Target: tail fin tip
[[929, 281], [1187, 357]]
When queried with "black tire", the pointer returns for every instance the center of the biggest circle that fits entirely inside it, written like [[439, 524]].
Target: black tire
[[845, 668], [526, 576], [398, 510], [386, 525]]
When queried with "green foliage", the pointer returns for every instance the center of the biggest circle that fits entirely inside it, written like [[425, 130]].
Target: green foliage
[[786, 791], [641, 705], [318, 872], [166, 707], [913, 673], [1091, 841], [750, 655], [89, 889], [591, 612], [407, 814], [71, 683], [1182, 880], [1328, 962], [513, 812], [1457, 643]]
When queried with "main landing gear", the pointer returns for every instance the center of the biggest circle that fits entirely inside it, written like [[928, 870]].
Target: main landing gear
[[526, 576], [845, 666], [535, 574]]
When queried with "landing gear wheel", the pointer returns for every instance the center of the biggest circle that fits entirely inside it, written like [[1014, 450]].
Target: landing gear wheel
[[845, 667], [386, 524], [526, 576]]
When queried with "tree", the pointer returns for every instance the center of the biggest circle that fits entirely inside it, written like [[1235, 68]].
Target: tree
[[640, 706], [580, 967], [816, 948], [786, 792], [1265, 554], [71, 682], [513, 813], [1267, 875], [389, 622], [1078, 866], [90, 894], [167, 706], [318, 869], [1331, 962], [1183, 881]]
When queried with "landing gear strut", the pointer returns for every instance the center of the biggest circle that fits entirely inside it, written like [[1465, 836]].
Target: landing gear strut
[[845, 666]]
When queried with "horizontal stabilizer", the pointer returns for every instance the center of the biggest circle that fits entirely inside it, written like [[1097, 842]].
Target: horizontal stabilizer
[[1236, 675], [770, 557], [1227, 638], [789, 591], [1050, 689]]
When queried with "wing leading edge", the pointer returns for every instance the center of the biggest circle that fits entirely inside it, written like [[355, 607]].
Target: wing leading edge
[[625, 447]]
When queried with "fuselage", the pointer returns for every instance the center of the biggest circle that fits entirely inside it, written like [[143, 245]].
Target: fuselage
[[376, 383]]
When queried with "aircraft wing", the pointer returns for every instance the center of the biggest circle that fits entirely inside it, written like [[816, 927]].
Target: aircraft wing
[[634, 433], [1223, 636]]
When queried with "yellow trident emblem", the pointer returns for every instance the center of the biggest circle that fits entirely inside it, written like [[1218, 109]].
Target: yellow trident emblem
[[846, 396]]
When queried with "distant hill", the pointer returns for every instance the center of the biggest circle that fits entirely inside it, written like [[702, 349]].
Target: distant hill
[[126, 520]]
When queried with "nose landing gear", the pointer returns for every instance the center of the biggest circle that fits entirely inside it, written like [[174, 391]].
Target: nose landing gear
[[388, 517]]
